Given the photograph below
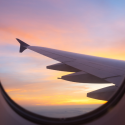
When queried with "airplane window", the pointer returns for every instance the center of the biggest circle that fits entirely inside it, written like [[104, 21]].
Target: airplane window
[[78, 64]]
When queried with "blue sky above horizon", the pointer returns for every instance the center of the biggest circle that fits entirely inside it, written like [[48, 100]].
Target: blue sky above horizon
[[93, 27]]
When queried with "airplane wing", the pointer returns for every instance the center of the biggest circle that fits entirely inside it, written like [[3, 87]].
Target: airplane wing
[[88, 69]]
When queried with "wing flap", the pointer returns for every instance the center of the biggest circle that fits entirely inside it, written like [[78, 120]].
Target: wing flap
[[116, 80], [103, 94], [83, 77], [62, 67]]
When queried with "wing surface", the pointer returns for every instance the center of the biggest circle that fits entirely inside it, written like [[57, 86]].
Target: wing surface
[[89, 69]]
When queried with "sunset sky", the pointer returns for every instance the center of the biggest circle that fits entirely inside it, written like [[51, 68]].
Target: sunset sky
[[92, 27]]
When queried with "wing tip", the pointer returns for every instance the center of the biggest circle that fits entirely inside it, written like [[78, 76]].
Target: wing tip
[[23, 45]]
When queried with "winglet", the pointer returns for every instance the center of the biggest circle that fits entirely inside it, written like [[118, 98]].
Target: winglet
[[23, 45]]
